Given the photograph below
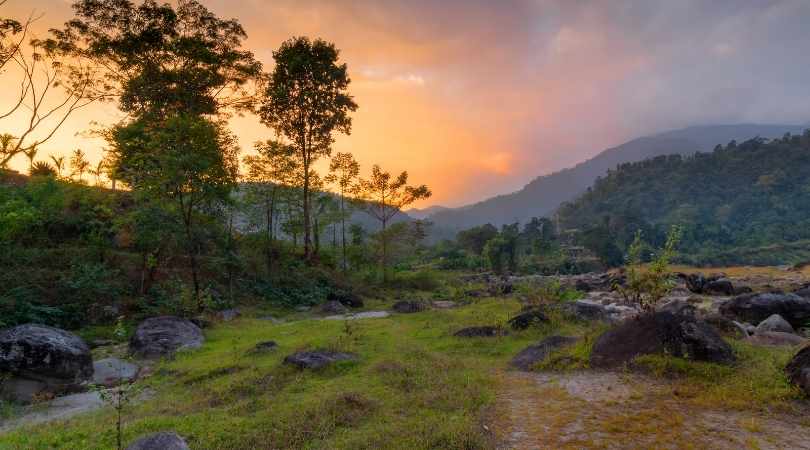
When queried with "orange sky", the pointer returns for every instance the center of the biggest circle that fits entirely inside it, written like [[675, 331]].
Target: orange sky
[[475, 98]]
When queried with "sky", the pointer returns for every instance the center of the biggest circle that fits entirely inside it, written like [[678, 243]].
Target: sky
[[477, 97]]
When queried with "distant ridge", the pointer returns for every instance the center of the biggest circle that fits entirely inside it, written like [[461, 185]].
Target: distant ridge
[[544, 194]]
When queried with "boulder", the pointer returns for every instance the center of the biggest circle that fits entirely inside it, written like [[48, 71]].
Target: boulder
[[720, 286], [408, 306], [798, 370], [444, 304], [533, 354], [333, 307], [658, 333], [694, 282], [723, 324], [265, 346], [226, 315], [484, 331], [345, 297], [803, 291], [776, 339], [586, 310], [527, 318], [775, 323], [42, 358], [755, 308], [317, 359], [164, 440], [679, 307], [162, 336], [111, 372]]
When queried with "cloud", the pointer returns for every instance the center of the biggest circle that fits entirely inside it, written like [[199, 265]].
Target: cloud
[[476, 97]]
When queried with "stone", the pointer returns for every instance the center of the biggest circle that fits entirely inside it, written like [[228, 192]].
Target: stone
[[161, 336], [803, 291], [798, 370], [527, 318], [658, 333], [720, 286], [59, 408], [317, 359], [444, 304], [678, 307], [42, 358], [483, 331], [694, 282], [755, 308], [360, 315], [775, 323], [333, 307], [96, 343], [776, 339], [164, 440], [201, 322], [724, 325], [111, 372], [265, 346], [345, 297], [226, 315], [408, 306], [586, 310], [533, 354]]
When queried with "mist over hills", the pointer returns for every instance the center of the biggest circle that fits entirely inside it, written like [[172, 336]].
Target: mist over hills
[[544, 194]]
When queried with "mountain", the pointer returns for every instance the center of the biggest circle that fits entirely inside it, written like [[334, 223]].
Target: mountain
[[544, 194], [745, 203], [419, 214]]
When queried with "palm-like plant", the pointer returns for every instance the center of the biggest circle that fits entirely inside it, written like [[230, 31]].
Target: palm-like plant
[[79, 164], [7, 149], [58, 164], [42, 169], [31, 154]]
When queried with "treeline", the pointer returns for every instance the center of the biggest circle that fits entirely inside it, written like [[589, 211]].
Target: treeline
[[190, 223], [743, 203]]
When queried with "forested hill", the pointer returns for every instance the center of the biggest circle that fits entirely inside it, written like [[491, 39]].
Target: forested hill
[[742, 203], [544, 194]]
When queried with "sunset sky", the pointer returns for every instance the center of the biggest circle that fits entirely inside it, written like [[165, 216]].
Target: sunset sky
[[475, 98]]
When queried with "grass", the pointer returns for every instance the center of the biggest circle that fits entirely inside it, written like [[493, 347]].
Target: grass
[[414, 386]]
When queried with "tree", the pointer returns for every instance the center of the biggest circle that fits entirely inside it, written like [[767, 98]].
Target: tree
[[474, 239], [79, 164], [31, 154], [42, 169], [384, 197], [48, 91], [188, 161], [646, 288], [269, 172], [343, 173], [158, 59], [58, 164], [98, 171], [306, 101]]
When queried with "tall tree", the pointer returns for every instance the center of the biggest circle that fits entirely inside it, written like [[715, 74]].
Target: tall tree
[[306, 101], [269, 172], [58, 164], [344, 171], [158, 59], [79, 164], [383, 197], [187, 161]]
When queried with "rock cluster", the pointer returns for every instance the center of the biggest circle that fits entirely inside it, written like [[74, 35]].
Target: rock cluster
[[42, 359]]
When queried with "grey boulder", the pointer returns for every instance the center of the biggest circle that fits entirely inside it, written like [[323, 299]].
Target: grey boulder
[[755, 308], [317, 359], [164, 440], [775, 323], [798, 370], [42, 358], [111, 372], [533, 354], [162, 336], [776, 339]]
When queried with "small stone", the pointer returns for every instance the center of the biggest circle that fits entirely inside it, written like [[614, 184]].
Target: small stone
[[483, 331], [164, 440], [534, 354], [111, 372], [265, 346], [408, 306], [317, 359]]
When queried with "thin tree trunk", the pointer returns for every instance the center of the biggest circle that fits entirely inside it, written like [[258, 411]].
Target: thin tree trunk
[[307, 237], [343, 230], [384, 253]]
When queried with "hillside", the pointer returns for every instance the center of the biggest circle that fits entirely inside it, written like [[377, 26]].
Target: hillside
[[742, 204], [545, 193]]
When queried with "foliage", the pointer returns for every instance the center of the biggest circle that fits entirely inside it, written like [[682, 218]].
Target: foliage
[[306, 101], [646, 286], [732, 203]]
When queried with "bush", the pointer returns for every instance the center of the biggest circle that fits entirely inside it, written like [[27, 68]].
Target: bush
[[421, 280]]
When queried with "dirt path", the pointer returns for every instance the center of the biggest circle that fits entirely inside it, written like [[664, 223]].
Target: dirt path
[[616, 410]]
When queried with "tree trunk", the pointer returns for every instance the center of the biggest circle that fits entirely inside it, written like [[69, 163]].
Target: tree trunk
[[384, 253], [343, 231], [307, 237]]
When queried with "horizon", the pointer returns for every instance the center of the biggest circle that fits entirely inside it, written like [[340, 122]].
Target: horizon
[[439, 95]]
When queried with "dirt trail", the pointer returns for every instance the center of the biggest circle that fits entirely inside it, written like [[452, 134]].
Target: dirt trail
[[617, 411]]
